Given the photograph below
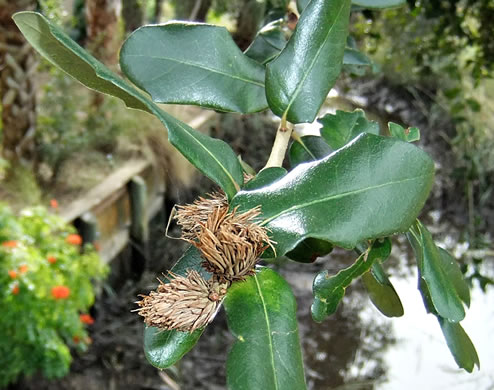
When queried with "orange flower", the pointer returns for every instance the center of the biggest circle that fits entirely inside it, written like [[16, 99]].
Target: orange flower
[[10, 244], [60, 292], [15, 290], [23, 268], [86, 319], [51, 259], [12, 274], [54, 204], [74, 239], [76, 339]]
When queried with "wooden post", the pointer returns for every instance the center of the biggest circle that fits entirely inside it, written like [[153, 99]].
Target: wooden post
[[139, 228], [87, 227]]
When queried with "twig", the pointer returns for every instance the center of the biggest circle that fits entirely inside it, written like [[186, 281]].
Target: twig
[[280, 144]]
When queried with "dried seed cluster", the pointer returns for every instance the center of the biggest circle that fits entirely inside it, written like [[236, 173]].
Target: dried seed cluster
[[230, 243], [185, 304]]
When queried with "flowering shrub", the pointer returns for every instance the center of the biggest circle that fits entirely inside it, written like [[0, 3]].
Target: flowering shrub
[[45, 293]]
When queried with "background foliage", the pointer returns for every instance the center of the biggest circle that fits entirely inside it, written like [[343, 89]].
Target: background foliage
[[46, 290]]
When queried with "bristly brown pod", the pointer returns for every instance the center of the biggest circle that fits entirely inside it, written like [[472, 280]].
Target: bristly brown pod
[[231, 243], [184, 304], [191, 216]]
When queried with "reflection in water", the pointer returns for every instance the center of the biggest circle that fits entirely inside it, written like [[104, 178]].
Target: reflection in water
[[359, 348], [346, 350]]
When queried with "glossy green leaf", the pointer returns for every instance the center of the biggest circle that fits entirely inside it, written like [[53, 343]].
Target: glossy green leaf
[[440, 287], [163, 348], [455, 276], [309, 250], [246, 167], [301, 4], [355, 57], [460, 345], [299, 79], [381, 292], [348, 197], [192, 63], [265, 177], [379, 3], [340, 128], [330, 290], [212, 157], [261, 314], [309, 148], [411, 134], [268, 43]]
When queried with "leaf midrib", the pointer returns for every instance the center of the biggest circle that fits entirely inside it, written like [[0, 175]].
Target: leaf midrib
[[270, 336], [198, 66], [316, 57], [338, 196]]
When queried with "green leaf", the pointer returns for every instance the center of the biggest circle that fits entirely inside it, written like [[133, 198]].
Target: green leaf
[[246, 167], [214, 158], [309, 250], [268, 43], [340, 128], [163, 348], [379, 3], [460, 345], [411, 134], [261, 314], [301, 4], [299, 79], [192, 63], [355, 57], [350, 196], [265, 177], [455, 276], [381, 292], [330, 290], [308, 148], [440, 287]]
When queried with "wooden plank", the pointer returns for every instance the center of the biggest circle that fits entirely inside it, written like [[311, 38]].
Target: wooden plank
[[106, 188]]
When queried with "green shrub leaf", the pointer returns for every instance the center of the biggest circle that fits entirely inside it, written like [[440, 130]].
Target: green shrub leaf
[[379, 3], [459, 344], [299, 79], [348, 197], [268, 43], [411, 134], [309, 250], [330, 290], [437, 273], [163, 348], [381, 292], [189, 63], [261, 314], [340, 128], [308, 148], [214, 158], [265, 177]]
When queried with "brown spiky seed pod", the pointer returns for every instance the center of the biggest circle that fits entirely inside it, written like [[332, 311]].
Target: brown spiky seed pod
[[184, 304], [191, 216], [231, 243]]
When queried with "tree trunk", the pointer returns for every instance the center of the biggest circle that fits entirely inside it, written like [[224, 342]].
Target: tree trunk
[[249, 20], [158, 4], [195, 10], [17, 88], [103, 35], [132, 14]]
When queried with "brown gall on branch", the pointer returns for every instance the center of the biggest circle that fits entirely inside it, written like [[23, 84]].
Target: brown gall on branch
[[185, 304]]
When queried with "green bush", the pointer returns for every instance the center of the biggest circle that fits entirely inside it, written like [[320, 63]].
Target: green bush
[[45, 293]]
